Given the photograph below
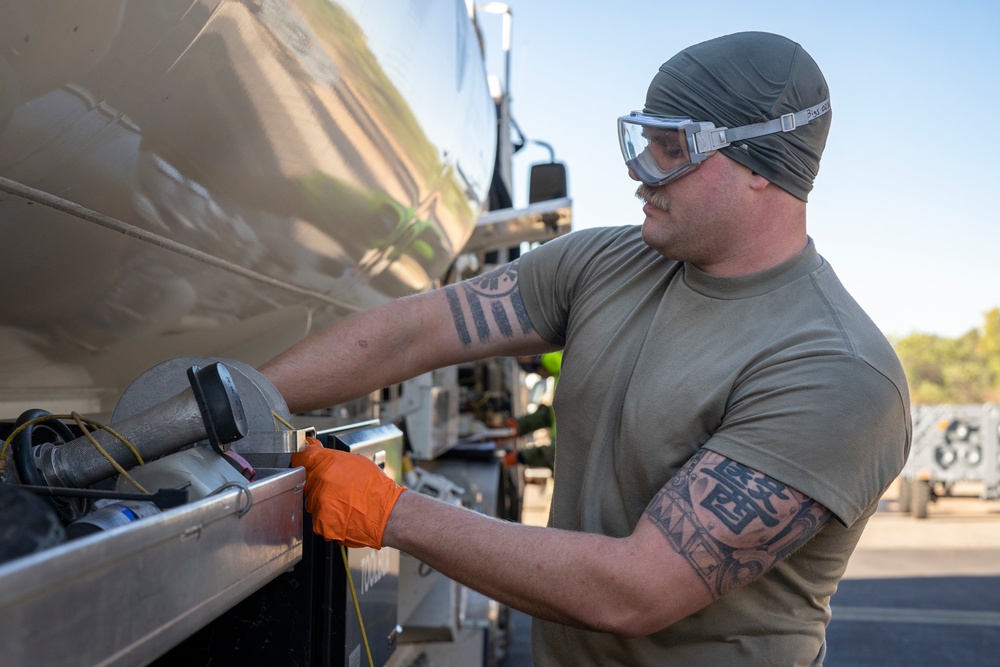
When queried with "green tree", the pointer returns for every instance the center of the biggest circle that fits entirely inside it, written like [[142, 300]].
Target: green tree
[[954, 370], [989, 350]]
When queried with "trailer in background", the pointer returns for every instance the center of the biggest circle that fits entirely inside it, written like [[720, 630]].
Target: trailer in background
[[951, 444]]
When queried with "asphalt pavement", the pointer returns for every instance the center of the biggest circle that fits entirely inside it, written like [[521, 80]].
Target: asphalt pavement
[[922, 592], [917, 592]]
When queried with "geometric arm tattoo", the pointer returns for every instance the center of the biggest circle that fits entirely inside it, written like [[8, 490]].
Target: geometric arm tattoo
[[732, 523], [492, 302]]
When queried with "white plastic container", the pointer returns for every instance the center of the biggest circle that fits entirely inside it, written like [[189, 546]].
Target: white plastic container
[[200, 467]]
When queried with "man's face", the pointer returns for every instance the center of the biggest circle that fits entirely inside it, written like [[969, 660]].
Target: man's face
[[692, 218]]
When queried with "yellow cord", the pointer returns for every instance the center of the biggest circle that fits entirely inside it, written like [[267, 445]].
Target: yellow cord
[[90, 422], [121, 438], [6, 443], [357, 607], [347, 569], [80, 421], [277, 417], [10, 438], [117, 466]]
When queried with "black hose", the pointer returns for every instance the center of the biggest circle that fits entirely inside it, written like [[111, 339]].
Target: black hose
[[23, 442], [24, 458]]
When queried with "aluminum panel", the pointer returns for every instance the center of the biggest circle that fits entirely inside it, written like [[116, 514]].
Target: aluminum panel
[[126, 596]]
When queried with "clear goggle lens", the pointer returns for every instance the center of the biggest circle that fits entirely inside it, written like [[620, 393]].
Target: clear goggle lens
[[657, 150]]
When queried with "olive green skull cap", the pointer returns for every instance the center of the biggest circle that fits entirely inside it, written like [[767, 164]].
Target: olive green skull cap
[[746, 78]]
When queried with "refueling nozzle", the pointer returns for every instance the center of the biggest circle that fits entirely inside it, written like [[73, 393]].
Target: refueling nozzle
[[210, 409]]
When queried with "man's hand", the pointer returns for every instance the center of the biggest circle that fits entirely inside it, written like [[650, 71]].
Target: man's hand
[[349, 497]]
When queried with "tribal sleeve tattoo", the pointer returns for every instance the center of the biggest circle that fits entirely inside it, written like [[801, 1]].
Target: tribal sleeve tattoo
[[491, 302], [732, 523]]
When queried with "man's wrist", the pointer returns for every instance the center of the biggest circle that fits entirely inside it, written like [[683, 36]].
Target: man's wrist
[[395, 525]]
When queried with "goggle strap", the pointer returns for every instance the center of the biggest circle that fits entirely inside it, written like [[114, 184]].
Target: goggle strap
[[785, 123]]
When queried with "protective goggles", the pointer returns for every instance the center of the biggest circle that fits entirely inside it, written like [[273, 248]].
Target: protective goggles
[[661, 149]]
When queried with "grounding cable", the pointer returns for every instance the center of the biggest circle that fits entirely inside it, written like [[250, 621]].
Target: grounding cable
[[114, 224]]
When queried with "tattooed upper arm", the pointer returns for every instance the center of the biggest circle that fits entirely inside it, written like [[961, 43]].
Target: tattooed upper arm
[[488, 306], [732, 523]]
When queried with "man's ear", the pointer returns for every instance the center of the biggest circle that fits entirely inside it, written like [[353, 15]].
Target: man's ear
[[758, 182]]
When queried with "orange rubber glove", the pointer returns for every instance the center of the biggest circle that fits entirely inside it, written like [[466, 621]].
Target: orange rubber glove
[[349, 497], [511, 424]]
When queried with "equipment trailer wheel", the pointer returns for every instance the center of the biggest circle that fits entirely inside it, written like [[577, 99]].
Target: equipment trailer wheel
[[905, 499], [921, 491]]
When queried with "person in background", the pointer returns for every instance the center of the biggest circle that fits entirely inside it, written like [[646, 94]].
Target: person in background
[[543, 417], [728, 414]]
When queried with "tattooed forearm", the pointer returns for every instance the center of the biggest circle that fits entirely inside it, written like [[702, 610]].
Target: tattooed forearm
[[490, 301], [732, 523], [456, 312]]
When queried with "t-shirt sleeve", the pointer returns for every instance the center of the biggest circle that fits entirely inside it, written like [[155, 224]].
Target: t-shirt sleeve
[[831, 426], [551, 276]]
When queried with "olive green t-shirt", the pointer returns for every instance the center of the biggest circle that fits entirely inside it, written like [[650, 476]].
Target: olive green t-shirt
[[780, 371]]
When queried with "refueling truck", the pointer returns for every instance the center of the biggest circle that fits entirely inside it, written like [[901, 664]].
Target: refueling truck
[[186, 189]]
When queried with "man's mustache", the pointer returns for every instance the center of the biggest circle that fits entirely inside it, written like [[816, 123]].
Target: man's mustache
[[654, 196]]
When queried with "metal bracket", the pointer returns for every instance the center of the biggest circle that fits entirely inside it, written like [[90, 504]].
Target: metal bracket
[[274, 442]]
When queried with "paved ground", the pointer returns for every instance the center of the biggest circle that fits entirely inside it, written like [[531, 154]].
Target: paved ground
[[917, 592], [922, 592]]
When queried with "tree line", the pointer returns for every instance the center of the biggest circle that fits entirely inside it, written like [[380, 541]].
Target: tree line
[[953, 370]]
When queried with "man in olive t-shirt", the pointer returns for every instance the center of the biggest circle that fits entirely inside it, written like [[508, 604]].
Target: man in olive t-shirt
[[778, 371], [728, 415]]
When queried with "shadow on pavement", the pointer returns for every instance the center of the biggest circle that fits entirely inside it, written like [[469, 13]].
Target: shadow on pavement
[[915, 622]]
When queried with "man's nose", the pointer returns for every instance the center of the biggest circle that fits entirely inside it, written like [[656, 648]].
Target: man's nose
[[634, 176]]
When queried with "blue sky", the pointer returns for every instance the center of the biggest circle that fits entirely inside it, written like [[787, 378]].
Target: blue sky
[[907, 202]]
